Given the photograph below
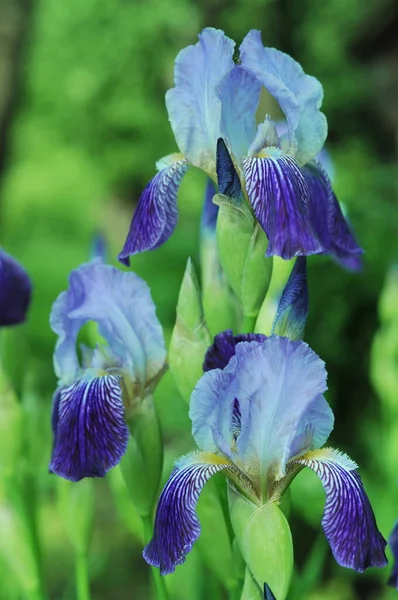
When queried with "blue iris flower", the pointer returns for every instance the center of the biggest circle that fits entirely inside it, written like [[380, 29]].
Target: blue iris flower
[[215, 98], [259, 415], [15, 291], [97, 393]]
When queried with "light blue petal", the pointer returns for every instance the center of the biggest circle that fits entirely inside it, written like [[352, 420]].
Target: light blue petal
[[193, 105], [299, 95], [279, 385], [120, 302], [240, 94]]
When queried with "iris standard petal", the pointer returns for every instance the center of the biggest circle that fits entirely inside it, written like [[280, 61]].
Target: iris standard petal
[[393, 543], [91, 435], [292, 311], [348, 519], [15, 291], [279, 385], [156, 214], [193, 104], [176, 524], [223, 348], [299, 95], [278, 194], [239, 93], [120, 302]]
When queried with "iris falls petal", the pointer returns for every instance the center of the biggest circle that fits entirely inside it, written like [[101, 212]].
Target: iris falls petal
[[156, 214], [348, 519], [91, 435], [193, 104], [176, 524], [15, 291], [278, 193]]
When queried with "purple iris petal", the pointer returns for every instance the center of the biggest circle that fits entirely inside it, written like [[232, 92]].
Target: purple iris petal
[[210, 210], [227, 177], [268, 595], [327, 219], [240, 94], [90, 433], [278, 194], [393, 543], [193, 104], [176, 524], [223, 348], [292, 311], [15, 291], [156, 214], [348, 520]]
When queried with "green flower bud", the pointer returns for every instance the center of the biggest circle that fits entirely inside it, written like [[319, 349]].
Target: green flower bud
[[142, 464], [242, 246], [264, 538], [190, 338], [251, 591]]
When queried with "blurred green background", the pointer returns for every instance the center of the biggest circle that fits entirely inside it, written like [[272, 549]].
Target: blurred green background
[[82, 122]]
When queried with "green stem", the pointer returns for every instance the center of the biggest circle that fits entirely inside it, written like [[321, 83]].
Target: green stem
[[249, 323], [82, 578], [158, 580]]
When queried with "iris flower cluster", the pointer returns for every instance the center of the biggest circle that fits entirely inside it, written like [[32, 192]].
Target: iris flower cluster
[[259, 414]]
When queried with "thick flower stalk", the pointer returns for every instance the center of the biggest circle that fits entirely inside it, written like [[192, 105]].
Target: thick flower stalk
[[286, 188], [103, 395], [259, 416]]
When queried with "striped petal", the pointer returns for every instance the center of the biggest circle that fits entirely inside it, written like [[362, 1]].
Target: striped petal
[[278, 193], [292, 311], [177, 526], [156, 214], [348, 519], [90, 435]]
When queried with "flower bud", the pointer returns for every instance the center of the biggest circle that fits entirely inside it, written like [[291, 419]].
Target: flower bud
[[142, 464], [264, 538], [242, 246], [219, 302], [190, 338]]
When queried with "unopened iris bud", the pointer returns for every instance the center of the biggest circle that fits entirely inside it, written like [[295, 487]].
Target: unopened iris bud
[[191, 338], [220, 305], [241, 241], [264, 538]]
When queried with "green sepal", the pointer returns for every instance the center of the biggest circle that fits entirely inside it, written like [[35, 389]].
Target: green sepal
[[265, 540], [142, 464], [190, 338]]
